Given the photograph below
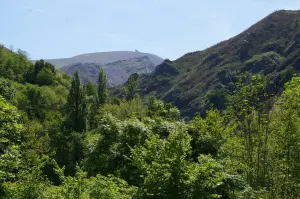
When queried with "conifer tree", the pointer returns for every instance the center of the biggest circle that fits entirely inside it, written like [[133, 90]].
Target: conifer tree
[[131, 88], [102, 88], [90, 89], [76, 105]]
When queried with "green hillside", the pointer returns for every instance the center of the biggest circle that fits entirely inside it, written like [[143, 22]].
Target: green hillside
[[62, 139], [268, 47]]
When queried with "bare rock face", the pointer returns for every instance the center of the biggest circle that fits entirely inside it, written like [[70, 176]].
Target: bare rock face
[[117, 72], [118, 65], [103, 58]]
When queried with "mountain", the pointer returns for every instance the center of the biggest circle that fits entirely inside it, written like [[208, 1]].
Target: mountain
[[270, 47], [118, 65], [103, 58], [118, 72]]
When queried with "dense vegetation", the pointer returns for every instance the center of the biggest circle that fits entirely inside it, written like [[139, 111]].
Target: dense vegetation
[[62, 139]]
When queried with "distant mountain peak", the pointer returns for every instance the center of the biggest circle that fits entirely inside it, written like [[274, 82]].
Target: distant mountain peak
[[118, 72], [103, 58], [118, 65]]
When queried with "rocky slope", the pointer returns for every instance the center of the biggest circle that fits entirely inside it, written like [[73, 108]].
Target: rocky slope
[[118, 65], [270, 47], [103, 58], [117, 72]]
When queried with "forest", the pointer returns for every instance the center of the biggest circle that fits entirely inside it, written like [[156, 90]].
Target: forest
[[61, 139]]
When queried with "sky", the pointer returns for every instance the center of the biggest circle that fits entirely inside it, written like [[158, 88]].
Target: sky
[[168, 28]]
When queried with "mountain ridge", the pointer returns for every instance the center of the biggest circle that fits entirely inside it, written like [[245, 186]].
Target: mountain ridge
[[117, 72], [268, 47], [102, 58], [88, 65]]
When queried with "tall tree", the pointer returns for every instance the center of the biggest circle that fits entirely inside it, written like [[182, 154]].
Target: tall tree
[[90, 89], [102, 88], [131, 88], [285, 149], [76, 105]]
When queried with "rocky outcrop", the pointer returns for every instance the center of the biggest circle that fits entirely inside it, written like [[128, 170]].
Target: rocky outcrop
[[117, 72], [166, 68]]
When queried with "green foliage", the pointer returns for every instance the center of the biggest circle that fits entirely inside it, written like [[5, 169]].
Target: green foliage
[[43, 73], [14, 66], [286, 139], [208, 133], [6, 89], [45, 77], [218, 98], [82, 187], [125, 109], [30, 183], [102, 88], [76, 106], [168, 173], [100, 143], [156, 108], [107, 147], [10, 137], [252, 92], [116, 101], [266, 62], [59, 144], [90, 89], [9, 127], [130, 90]]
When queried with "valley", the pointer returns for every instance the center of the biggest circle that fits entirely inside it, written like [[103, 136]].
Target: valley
[[223, 122]]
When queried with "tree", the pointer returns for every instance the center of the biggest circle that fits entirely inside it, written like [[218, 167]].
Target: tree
[[76, 105], [168, 172], [218, 98], [102, 88], [131, 88], [43, 73], [156, 108], [125, 109], [285, 150], [45, 77], [10, 134], [9, 127], [6, 89], [81, 187], [90, 89]]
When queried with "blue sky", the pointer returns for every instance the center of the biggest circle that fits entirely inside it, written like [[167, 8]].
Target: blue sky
[[168, 28]]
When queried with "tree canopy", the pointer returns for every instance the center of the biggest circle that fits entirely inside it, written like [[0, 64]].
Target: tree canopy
[[63, 139]]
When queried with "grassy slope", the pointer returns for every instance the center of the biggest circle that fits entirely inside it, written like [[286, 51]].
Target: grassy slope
[[201, 71]]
